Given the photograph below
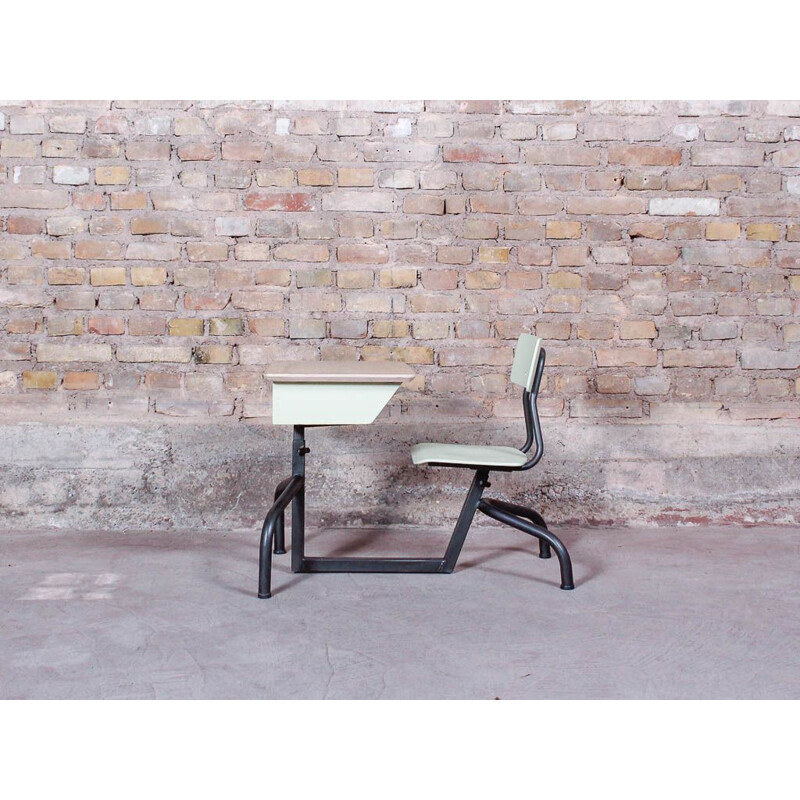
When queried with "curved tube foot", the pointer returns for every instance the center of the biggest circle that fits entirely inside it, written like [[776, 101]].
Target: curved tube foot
[[512, 515], [292, 486]]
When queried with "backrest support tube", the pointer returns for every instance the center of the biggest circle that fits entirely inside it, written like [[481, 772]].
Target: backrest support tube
[[532, 424]]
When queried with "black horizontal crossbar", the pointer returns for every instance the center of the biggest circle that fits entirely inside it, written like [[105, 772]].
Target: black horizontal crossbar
[[333, 564]]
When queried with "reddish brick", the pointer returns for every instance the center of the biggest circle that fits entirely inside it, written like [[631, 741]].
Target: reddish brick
[[273, 201]]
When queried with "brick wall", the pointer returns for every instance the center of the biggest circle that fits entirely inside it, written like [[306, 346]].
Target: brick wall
[[155, 256]]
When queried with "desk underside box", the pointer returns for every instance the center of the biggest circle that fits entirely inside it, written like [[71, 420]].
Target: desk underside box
[[333, 393], [329, 403]]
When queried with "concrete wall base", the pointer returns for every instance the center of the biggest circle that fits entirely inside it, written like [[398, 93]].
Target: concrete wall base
[[221, 475]]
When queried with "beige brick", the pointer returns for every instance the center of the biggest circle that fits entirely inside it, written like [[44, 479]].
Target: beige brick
[[108, 276], [185, 327], [315, 253], [399, 277], [764, 232], [562, 304], [128, 201], [22, 148], [145, 226], [722, 230], [454, 255], [390, 329], [98, 251], [493, 255], [559, 229], [564, 280], [148, 276], [482, 279], [51, 250], [207, 251], [633, 329], [423, 204], [213, 354], [356, 176], [355, 278], [147, 151], [39, 379], [64, 326], [315, 177]]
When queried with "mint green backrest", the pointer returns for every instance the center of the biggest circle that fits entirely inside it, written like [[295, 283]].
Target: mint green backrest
[[526, 357]]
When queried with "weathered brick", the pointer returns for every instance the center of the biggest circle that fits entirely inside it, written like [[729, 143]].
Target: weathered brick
[[644, 156], [302, 252], [401, 277], [106, 326], [70, 175], [207, 251], [699, 358], [560, 229], [284, 201], [606, 205], [362, 253], [46, 352], [727, 156], [562, 155], [81, 381], [767, 358], [492, 154], [147, 151], [381, 202], [423, 204], [178, 354], [151, 251], [13, 197], [678, 206], [637, 329]]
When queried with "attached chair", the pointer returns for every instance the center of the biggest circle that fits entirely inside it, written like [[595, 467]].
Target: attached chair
[[526, 372]]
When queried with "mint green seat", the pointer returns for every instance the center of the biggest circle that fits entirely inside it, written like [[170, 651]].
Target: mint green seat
[[526, 371], [467, 454]]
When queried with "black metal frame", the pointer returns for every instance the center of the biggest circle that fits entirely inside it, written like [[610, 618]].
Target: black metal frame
[[292, 490]]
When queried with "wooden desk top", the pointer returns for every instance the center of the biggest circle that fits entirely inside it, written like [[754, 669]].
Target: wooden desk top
[[339, 372]]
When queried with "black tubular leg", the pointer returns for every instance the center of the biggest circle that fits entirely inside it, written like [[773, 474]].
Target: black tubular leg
[[534, 516], [293, 487], [544, 549], [465, 518], [299, 451], [280, 539], [494, 509]]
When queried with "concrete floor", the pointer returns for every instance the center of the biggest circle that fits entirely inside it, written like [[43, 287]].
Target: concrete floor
[[657, 613]]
